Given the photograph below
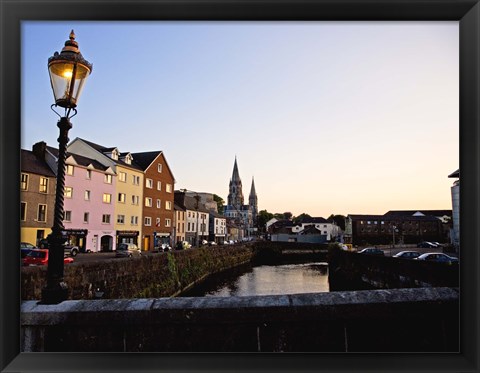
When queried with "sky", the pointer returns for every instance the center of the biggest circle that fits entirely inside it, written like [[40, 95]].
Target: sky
[[327, 117]]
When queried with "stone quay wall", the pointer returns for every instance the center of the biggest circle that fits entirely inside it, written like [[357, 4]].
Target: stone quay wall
[[354, 271], [148, 276], [393, 320]]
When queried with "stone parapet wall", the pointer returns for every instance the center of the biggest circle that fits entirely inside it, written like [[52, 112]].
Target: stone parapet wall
[[396, 320]]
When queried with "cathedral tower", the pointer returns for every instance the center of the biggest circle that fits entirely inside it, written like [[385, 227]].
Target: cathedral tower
[[253, 201], [235, 194]]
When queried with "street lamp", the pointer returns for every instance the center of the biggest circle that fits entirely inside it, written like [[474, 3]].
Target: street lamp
[[68, 73]]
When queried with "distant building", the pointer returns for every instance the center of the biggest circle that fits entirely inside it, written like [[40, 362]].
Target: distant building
[[455, 190], [395, 227], [197, 217], [241, 218]]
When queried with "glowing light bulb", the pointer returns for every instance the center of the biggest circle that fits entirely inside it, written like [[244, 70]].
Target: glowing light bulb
[[67, 74]]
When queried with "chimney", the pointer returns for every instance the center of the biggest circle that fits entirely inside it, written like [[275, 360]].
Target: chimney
[[39, 149]]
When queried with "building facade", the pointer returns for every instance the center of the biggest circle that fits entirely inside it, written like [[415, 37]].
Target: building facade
[[392, 229], [128, 198], [37, 197], [158, 195]]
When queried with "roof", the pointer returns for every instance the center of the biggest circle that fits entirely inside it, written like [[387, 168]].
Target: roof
[[32, 164], [424, 212], [455, 174], [190, 203], [80, 159], [103, 149], [393, 217], [145, 159], [314, 220]]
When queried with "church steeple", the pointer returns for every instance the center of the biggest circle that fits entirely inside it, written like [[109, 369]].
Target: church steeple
[[235, 195], [253, 200]]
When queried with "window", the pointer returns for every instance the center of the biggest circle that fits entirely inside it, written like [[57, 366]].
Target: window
[[42, 213], [120, 219], [87, 195], [135, 200], [149, 183], [24, 182], [168, 222], [107, 198], [159, 203], [157, 222], [148, 221], [68, 192], [168, 188], [160, 167], [69, 169], [168, 205], [67, 216], [134, 220], [89, 174], [86, 217], [108, 178], [136, 180], [23, 211], [148, 202], [159, 185], [106, 218], [188, 227], [43, 185], [122, 197], [122, 176]]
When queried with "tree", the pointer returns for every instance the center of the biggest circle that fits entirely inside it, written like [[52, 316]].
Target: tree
[[262, 218], [300, 218], [339, 220], [220, 203]]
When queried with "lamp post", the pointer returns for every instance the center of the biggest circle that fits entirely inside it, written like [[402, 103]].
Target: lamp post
[[68, 73]]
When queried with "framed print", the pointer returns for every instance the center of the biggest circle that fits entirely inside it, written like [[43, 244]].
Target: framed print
[[117, 26]]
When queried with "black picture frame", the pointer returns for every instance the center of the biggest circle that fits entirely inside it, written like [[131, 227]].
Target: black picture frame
[[467, 12]]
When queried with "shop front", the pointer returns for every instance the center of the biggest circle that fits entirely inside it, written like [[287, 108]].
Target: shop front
[[127, 237], [76, 237]]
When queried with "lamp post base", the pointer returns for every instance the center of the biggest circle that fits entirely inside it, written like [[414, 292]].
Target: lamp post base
[[55, 294]]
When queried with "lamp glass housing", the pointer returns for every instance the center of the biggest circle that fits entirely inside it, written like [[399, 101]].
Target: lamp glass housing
[[67, 79]]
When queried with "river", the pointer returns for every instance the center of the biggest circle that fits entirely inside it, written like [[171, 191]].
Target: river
[[250, 280]]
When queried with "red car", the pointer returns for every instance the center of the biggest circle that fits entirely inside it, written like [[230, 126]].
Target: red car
[[40, 257]]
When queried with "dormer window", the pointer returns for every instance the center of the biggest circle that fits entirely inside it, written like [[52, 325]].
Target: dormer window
[[114, 154], [128, 159]]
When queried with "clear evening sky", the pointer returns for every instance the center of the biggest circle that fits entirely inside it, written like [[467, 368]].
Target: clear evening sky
[[328, 117]]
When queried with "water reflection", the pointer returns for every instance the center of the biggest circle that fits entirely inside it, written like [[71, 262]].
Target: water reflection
[[266, 280]]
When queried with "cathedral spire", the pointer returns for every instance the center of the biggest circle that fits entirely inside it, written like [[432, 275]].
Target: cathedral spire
[[235, 175], [253, 193]]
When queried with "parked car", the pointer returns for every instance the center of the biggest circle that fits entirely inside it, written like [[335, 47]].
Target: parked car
[[438, 257], [164, 247], [212, 243], [40, 257], [372, 251], [426, 245], [204, 242], [183, 245], [127, 250], [68, 249], [407, 254], [25, 248]]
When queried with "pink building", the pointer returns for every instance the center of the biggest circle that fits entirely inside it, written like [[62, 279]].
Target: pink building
[[89, 202]]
